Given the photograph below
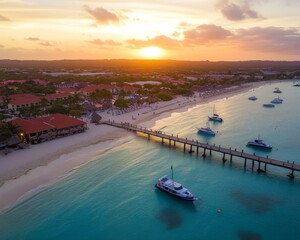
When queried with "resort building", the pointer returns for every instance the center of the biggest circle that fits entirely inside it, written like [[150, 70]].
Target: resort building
[[92, 88], [17, 101], [50, 127]]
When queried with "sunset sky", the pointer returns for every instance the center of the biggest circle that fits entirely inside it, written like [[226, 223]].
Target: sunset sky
[[173, 29]]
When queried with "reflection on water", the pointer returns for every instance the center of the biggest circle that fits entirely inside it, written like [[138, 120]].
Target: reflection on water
[[257, 203], [170, 217], [245, 235]]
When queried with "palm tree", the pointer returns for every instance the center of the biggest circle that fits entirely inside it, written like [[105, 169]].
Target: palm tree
[[8, 129]]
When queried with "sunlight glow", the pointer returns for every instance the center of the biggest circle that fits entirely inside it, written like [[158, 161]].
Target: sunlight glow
[[151, 52]]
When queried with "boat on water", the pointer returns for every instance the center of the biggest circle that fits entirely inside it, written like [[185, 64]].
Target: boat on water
[[277, 90], [268, 105], [206, 131], [296, 84], [253, 98], [259, 143], [277, 100], [174, 188], [215, 117]]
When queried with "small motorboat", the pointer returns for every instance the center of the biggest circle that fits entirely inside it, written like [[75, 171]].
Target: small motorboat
[[174, 188], [268, 105], [296, 84], [207, 131], [259, 144], [277, 90], [277, 100], [253, 98]]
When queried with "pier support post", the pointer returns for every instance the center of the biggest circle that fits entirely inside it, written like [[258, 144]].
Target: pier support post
[[162, 140], [197, 150], [223, 158], [230, 158], [252, 164], [210, 152], [148, 136], [245, 163], [204, 153], [184, 147], [174, 144], [191, 149], [169, 142]]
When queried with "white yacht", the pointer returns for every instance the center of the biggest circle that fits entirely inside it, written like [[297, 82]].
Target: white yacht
[[277, 90], [268, 105], [259, 143], [296, 84], [253, 98], [277, 100], [207, 131], [174, 188]]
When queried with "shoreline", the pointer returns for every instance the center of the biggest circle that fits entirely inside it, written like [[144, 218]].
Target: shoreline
[[46, 163]]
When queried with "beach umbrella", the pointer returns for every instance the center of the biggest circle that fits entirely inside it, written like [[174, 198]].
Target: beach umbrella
[[96, 118]]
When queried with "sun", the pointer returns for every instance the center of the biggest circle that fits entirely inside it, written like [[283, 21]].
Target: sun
[[151, 52]]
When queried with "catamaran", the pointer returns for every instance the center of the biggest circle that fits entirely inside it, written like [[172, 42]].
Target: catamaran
[[174, 188], [215, 117]]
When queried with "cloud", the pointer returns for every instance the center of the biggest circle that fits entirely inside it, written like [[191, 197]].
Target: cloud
[[47, 43], [205, 33], [4, 19], [237, 11], [270, 39], [32, 39], [1, 46], [158, 41], [104, 17], [105, 42]]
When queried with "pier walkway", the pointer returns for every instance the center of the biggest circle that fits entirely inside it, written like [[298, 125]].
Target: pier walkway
[[207, 148]]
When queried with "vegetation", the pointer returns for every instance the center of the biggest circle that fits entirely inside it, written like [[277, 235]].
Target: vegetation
[[164, 96], [121, 103]]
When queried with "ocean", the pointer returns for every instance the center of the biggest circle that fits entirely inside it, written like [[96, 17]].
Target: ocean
[[114, 196]]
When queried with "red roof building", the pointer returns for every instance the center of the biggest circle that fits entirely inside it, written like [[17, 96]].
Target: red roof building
[[55, 96], [92, 88], [128, 88], [49, 127], [17, 101], [66, 90]]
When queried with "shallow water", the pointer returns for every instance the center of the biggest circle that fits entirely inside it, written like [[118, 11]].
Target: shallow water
[[114, 197]]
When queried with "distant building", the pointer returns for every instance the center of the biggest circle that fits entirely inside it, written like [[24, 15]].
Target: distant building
[[50, 127], [92, 88], [17, 101]]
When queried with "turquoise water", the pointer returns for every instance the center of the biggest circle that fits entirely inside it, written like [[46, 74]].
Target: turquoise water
[[114, 197]]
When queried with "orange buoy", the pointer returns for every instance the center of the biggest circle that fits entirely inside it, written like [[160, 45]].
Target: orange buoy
[[219, 211]]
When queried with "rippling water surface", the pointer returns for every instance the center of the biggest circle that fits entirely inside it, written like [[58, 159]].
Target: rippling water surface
[[114, 197]]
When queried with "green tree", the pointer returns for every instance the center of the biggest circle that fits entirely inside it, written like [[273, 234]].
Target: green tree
[[121, 103], [8, 129], [164, 96]]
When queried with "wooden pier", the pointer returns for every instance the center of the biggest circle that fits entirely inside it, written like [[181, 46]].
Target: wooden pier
[[192, 146]]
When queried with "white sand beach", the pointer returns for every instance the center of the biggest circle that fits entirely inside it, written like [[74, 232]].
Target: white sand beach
[[23, 172]]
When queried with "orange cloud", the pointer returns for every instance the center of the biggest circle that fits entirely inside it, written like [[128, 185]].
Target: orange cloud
[[102, 16], [158, 41], [4, 19], [205, 33], [270, 39], [237, 11], [105, 42]]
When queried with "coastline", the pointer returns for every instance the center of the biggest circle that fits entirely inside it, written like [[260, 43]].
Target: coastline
[[24, 172]]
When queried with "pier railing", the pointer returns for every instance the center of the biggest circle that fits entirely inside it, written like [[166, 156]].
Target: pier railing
[[195, 145]]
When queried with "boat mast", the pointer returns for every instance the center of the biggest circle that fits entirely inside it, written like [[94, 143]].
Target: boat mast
[[172, 174]]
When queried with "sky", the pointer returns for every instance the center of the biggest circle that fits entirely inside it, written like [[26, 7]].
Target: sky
[[196, 30]]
